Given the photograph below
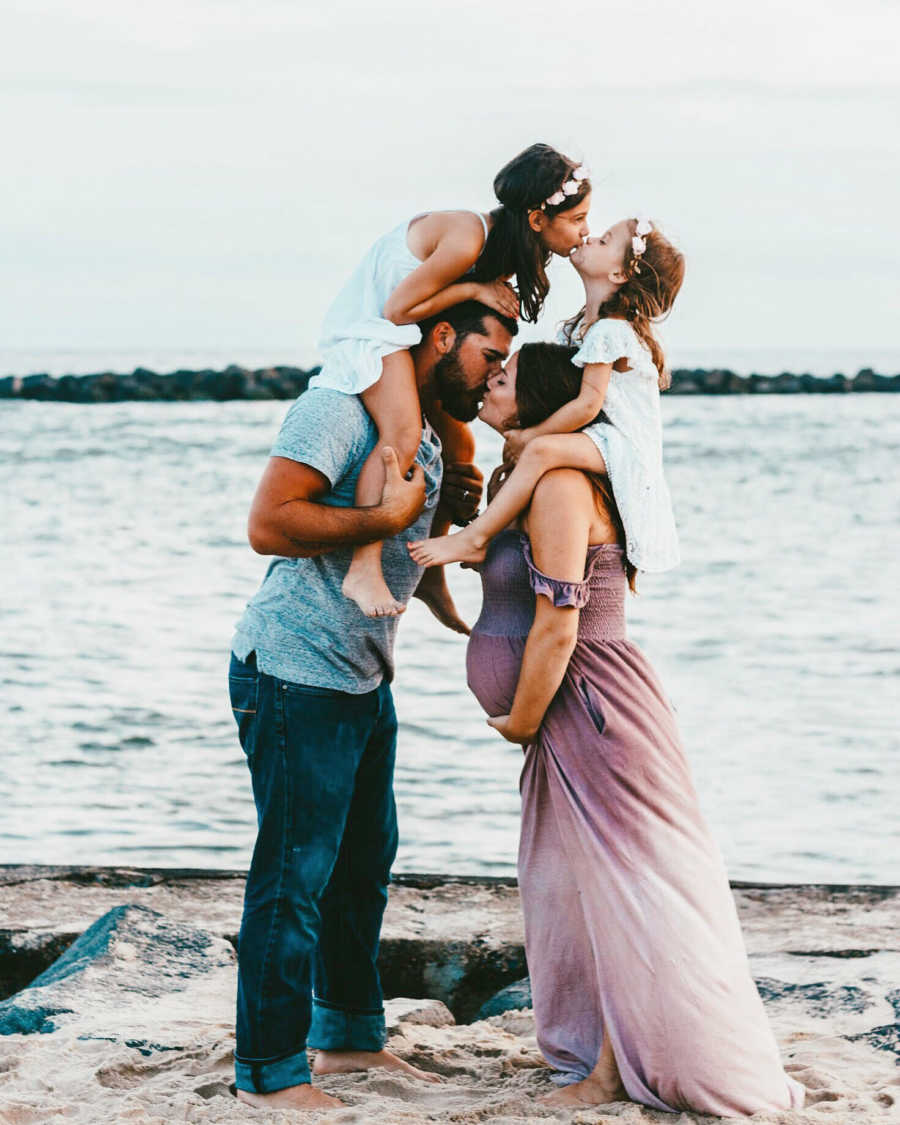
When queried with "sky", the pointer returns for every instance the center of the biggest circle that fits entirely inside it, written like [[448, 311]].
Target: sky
[[184, 174]]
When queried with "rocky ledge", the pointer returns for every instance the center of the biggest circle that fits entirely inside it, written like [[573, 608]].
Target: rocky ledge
[[119, 990], [287, 382]]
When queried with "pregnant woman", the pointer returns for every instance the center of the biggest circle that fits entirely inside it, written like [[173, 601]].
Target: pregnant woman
[[639, 975]]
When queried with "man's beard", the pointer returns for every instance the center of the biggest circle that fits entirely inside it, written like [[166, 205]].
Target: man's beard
[[459, 400]]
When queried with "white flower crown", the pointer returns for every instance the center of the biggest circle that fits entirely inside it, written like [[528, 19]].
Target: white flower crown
[[570, 187], [638, 241]]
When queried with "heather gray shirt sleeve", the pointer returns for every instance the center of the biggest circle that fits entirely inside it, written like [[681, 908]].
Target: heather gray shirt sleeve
[[326, 431]]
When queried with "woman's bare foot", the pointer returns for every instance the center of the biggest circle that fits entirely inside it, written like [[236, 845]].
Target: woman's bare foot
[[370, 592], [462, 546], [589, 1091], [345, 1062], [433, 591], [305, 1097]]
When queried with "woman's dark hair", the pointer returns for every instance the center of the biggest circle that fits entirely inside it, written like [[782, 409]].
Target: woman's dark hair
[[654, 281], [546, 379], [512, 247]]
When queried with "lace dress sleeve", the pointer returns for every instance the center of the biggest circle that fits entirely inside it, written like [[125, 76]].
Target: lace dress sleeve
[[561, 594], [605, 342]]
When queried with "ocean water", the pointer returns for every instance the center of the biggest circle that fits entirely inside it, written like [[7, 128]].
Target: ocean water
[[125, 565]]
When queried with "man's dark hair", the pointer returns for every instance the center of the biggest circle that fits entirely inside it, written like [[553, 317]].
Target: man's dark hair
[[467, 317]]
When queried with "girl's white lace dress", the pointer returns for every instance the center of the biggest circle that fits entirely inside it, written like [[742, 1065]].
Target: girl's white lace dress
[[631, 442]]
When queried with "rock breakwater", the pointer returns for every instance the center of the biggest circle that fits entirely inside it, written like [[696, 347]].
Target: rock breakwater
[[241, 383]]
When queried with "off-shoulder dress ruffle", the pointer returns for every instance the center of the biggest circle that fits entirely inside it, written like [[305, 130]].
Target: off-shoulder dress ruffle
[[560, 593]]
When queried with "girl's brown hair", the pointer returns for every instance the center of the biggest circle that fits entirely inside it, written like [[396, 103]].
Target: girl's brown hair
[[546, 379], [512, 247], [646, 297]]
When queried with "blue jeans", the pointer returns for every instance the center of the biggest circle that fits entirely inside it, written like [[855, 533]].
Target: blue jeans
[[322, 768]]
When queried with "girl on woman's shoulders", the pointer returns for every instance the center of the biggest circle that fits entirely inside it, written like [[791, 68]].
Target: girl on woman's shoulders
[[632, 275]]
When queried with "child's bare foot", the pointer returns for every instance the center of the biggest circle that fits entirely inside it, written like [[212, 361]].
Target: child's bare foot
[[461, 546], [433, 591], [345, 1062], [589, 1091], [370, 592], [292, 1097]]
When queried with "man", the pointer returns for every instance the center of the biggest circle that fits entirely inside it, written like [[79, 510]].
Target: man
[[309, 683]]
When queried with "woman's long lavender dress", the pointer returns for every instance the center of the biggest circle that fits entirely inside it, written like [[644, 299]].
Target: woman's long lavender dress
[[630, 925]]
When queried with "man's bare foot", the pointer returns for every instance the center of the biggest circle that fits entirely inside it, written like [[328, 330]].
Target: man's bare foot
[[345, 1062], [305, 1097], [589, 1091], [370, 592], [461, 546], [433, 591]]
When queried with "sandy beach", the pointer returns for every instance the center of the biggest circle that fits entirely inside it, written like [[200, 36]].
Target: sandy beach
[[134, 1021], [491, 1069]]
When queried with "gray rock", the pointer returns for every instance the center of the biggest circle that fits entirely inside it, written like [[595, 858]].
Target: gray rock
[[459, 939], [885, 1038], [855, 997], [823, 998], [510, 999], [431, 1013], [132, 977], [458, 971]]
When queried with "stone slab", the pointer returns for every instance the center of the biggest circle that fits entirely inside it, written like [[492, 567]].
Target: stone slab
[[458, 939]]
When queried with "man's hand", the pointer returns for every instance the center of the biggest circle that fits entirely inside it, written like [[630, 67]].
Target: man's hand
[[510, 733], [288, 516], [401, 500], [461, 491], [514, 442]]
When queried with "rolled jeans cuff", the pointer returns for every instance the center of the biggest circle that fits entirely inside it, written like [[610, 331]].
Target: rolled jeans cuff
[[261, 1077], [346, 1029]]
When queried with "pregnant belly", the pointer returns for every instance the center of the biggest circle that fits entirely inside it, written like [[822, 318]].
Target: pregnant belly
[[492, 670]]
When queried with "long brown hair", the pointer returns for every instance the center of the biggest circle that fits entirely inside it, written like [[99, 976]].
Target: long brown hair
[[512, 247], [646, 297], [546, 379]]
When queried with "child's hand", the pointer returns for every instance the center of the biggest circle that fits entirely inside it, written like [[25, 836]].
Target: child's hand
[[513, 444], [500, 296]]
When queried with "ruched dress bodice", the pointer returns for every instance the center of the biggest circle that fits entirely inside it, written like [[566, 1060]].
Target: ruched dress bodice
[[511, 581], [631, 930]]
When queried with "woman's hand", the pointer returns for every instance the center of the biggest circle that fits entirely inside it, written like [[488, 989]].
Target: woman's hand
[[514, 442], [510, 733], [499, 296]]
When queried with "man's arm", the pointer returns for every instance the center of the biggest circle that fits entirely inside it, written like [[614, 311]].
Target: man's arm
[[287, 519]]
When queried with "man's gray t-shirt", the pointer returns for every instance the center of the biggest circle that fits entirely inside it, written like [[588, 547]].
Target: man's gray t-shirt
[[302, 628]]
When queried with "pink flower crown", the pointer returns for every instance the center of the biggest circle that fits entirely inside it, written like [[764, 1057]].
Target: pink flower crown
[[572, 186]]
